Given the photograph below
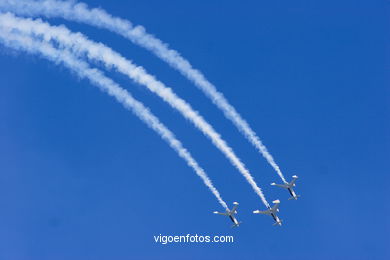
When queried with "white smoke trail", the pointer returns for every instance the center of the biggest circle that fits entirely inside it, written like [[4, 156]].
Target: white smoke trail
[[80, 12], [17, 41], [97, 51]]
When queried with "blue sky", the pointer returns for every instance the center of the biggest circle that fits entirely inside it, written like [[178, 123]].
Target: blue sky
[[82, 178]]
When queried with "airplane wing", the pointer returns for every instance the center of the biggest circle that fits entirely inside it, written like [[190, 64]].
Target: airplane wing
[[293, 181], [280, 185], [266, 212], [234, 208], [220, 213], [275, 207]]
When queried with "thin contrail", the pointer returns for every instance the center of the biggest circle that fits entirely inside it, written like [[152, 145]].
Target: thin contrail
[[98, 17], [17, 41], [97, 51]]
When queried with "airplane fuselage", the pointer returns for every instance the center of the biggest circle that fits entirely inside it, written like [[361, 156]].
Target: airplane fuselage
[[276, 218], [234, 220], [292, 193]]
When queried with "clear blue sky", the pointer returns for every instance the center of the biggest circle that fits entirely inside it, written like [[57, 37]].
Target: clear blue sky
[[82, 178]]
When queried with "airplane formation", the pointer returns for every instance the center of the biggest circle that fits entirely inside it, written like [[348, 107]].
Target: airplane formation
[[271, 211], [75, 50]]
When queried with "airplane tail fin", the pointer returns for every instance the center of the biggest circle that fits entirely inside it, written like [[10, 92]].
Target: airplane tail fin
[[278, 223], [294, 198], [236, 225]]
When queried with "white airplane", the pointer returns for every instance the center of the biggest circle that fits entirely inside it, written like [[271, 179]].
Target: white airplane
[[231, 214], [289, 187], [272, 212]]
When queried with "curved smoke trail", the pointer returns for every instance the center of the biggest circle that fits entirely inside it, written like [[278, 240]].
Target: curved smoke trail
[[99, 52], [80, 12], [14, 40]]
